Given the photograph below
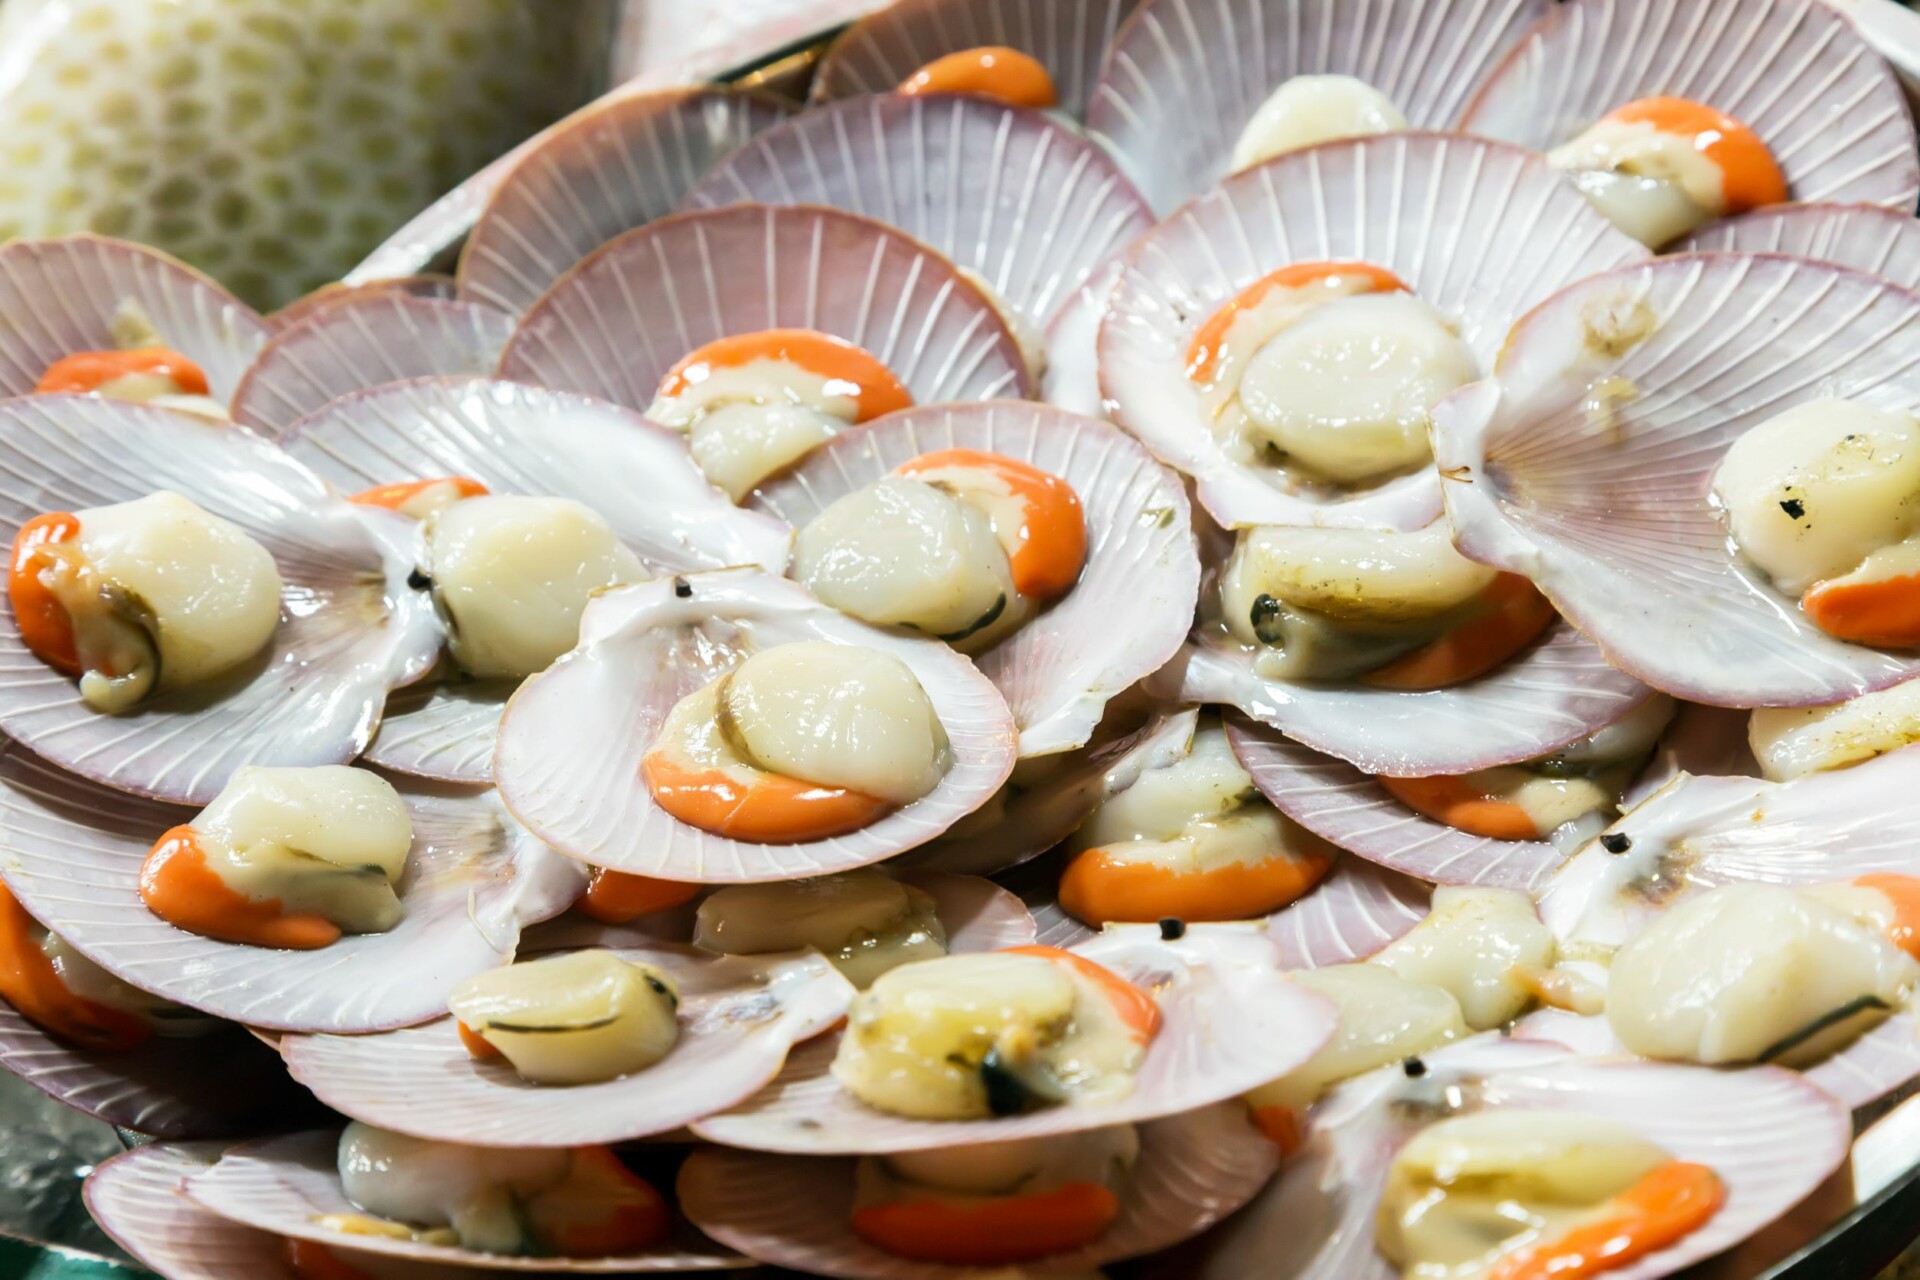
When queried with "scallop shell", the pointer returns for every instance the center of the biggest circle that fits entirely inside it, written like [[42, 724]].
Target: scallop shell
[[1880, 241], [616, 165], [1059, 670], [614, 325], [1357, 910], [1478, 230], [222, 1084], [739, 1015], [1694, 1113], [60, 297], [795, 1212], [71, 852], [1185, 76], [1612, 519], [1795, 72], [363, 341], [351, 628], [286, 1185], [421, 286], [1700, 740], [1067, 37], [1020, 200], [1556, 692], [1230, 1022], [571, 771]]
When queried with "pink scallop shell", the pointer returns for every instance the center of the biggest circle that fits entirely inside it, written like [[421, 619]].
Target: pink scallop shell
[[1867, 237]]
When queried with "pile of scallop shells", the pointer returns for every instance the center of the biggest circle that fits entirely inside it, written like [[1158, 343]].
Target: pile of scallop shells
[[1053, 284]]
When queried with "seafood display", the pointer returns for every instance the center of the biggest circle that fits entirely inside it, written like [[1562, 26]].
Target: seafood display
[[1229, 638]]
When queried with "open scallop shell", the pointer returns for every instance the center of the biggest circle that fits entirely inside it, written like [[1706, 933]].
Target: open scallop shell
[[1067, 37], [71, 852], [1060, 669], [1358, 909], [1185, 76], [60, 298], [1021, 201], [332, 295], [570, 747], [1478, 230], [739, 1015], [1867, 237], [364, 341], [351, 628], [616, 165], [1556, 692], [1711, 741], [1797, 74], [1770, 1135], [795, 1211], [1230, 1022], [615, 324], [286, 1185], [1612, 519]]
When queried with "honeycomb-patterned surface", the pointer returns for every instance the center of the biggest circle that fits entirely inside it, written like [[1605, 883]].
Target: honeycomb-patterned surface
[[272, 143]]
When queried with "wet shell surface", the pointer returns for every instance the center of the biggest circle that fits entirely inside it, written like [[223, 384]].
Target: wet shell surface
[[332, 295], [1694, 1113], [364, 341], [60, 298], [350, 627], [1867, 237], [603, 329], [1059, 670], [739, 1015], [1795, 72], [613, 166], [1068, 37], [1611, 518], [1555, 692], [795, 1211], [570, 769], [1358, 909], [71, 852], [1185, 76], [1480, 231], [1230, 1022], [286, 1185]]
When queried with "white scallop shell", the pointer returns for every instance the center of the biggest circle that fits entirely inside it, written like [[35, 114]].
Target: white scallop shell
[[71, 852], [1059, 670], [60, 296], [1067, 37], [1478, 230], [351, 629], [795, 1211], [739, 1015], [332, 295], [614, 325], [1555, 692], [1230, 1022], [1613, 521], [571, 744], [618, 164], [1185, 76], [364, 341], [1867, 237], [1317, 1221], [286, 1185], [1015, 197], [1794, 71]]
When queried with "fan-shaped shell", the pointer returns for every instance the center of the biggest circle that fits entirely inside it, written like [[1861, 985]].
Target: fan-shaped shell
[[60, 298], [1358, 909], [571, 770], [71, 852], [618, 164], [1867, 237], [1185, 76], [1794, 71], [351, 628], [615, 324], [1478, 230], [363, 341], [420, 286], [1613, 522], [1059, 670], [795, 1212]]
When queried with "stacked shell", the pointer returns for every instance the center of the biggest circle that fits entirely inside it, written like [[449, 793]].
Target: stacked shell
[[1153, 632]]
